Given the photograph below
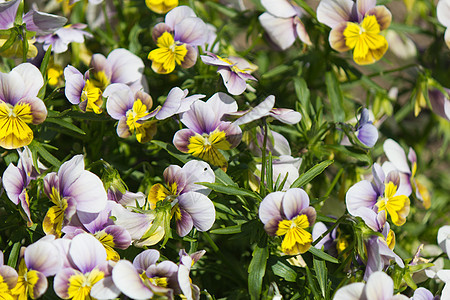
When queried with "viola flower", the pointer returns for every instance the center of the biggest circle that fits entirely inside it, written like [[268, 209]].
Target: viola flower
[[443, 16], [364, 131], [379, 286], [161, 6], [121, 66], [188, 290], [235, 71], [82, 91], [177, 102], [71, 189], [282, 22], [8, 279], [20, 106], [132, 109], [289, 214], [144, 278], [40, 261], [88, 266], [398, 161], [206, 133], [177, 39], [61, 38], [357, 27], [189, 203], [382, 195]]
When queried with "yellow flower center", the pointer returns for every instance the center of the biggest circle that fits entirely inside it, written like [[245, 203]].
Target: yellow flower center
[[297, 240], [93, 96], [14, 131], [396, 206], [365, 38], [234, 68], [138, 111], [206, 147], [158, 192], [80, 284], [168, 54], [100, 80], [54, 218], [25, 283], [390, 239], [107, 241]]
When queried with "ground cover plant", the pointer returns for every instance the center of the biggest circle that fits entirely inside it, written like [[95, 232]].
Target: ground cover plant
[[214, 149]]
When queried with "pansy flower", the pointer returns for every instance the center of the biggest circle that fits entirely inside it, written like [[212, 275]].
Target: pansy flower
[[161, 6], [364, 131], [61, 38], [356, 26], [381, 195], [282, 22], [177, 102], [398, 161], [235, 71], [288, 214], [188, 290], [177, 39], [207, 133], [8, 279], [443, 15], [19, 105], [71, 189]]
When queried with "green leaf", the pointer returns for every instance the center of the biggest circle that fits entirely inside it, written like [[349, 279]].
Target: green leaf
[[256, 271], [311, 283], [65, 124], [284, 271], [14, 255], [230, 190], [223, 178], [335, 96], [37, 147], [311, 174], [184, 158], [302, 92], [222, 9], [321, 273], [45, 60], [9, 42], [276, 71], [320, 254], [227, 230]]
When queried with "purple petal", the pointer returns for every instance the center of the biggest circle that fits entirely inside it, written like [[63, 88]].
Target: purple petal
[[396, 155], [177, 15], [191, 57], [270, 207], [121, 237], [128, 281], [172, 103], [368, 135], [259, 111], [334, 12], [86, 252], [294, 201], [120, 100], [412, 157], [43, 23], [222, 103], [360, 195], [319, 229], [213, 60], [184, 281], [105, 289], [173, 174], [233, 133], [191, 31], [145, 259], [126, 67], [439, 102], [40, 287], [8, 11], [382, 14], [11, 87], [88, 192], [365, 5], [181, 139], [379, 286], [198, 171], [99, 63], [200, 208], [280, 30], [61, 282], [13, 183], [235, 85], [285, 115], [9, 276], [43, 257], [202, 118], [74, 87], [32, 78], [135, 223], [337, 39], [352, 291], [422, 294], [184, 224], [279, 8], [38, 109]]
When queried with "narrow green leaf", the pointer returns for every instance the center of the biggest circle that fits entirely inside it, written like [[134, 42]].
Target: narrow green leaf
[[65, 124], [276, 71], [184, 158], [320, 268], [227, 230], [311, 174], [14, 255], [302, 92], [320, 254], [335, 96], [284, 271], [223, 178], [230, 190], [36, 147], [312, 284], [223, 9], [256, 271], [45, 61], [9, 42]]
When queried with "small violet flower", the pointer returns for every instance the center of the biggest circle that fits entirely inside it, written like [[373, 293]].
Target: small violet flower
[[206, 132], [235, 71], [356, 26], [177, 39], [61, 38], [282, 22], [443, 15], [289, 214], [364, 131], [19, 105]]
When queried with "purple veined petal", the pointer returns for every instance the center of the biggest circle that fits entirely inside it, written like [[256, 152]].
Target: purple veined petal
[[294, 201], [12, 87], [122, 128], [443, 239], [213, 60], [374, 260], [379, 286], [120, 100], [191, 31], [105, 289], [359, 195], [233, 133], [130, 199], [8, 11], [368, 135], [88, 192], [126, 67], [353, 291], [259, 111], [184, 281], [222, 103], [86, 252], [443, 12], [200, 208], [43, 23], [394, 177], [99, 63], [13, 183], [40, 287], [188, 101], [121, 237], [177, 15], [365, 5], [334, 12], [440, 104], [61, 282], [270, 207], [32, 79], [38, 109], [387, 254], [43, 257], [337, 38], [163, 269], [128, 281], [181, 139], [201, 118], [145, 259], [184, 224], [286, 115], [280, 30], [96, 221], [74, 87], [173, 174], [422, 294], [301, 31], [279, 8], [159, 29], [172, 103], [198, 171], [135, 223], [191, 56], [378, 178], [319, 229], [412, 157], [369, 217], [235, 85], [63, 246], [396, 155], [382, 14], [9, 276]]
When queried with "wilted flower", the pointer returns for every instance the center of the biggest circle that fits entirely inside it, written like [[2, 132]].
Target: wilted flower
[[289, 214], [62, 37], [19, 105], [282, 22], [161, 6], [443, 15], [379, 286], [356, 26], [206, 132], [235, 71], [177, 39]]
